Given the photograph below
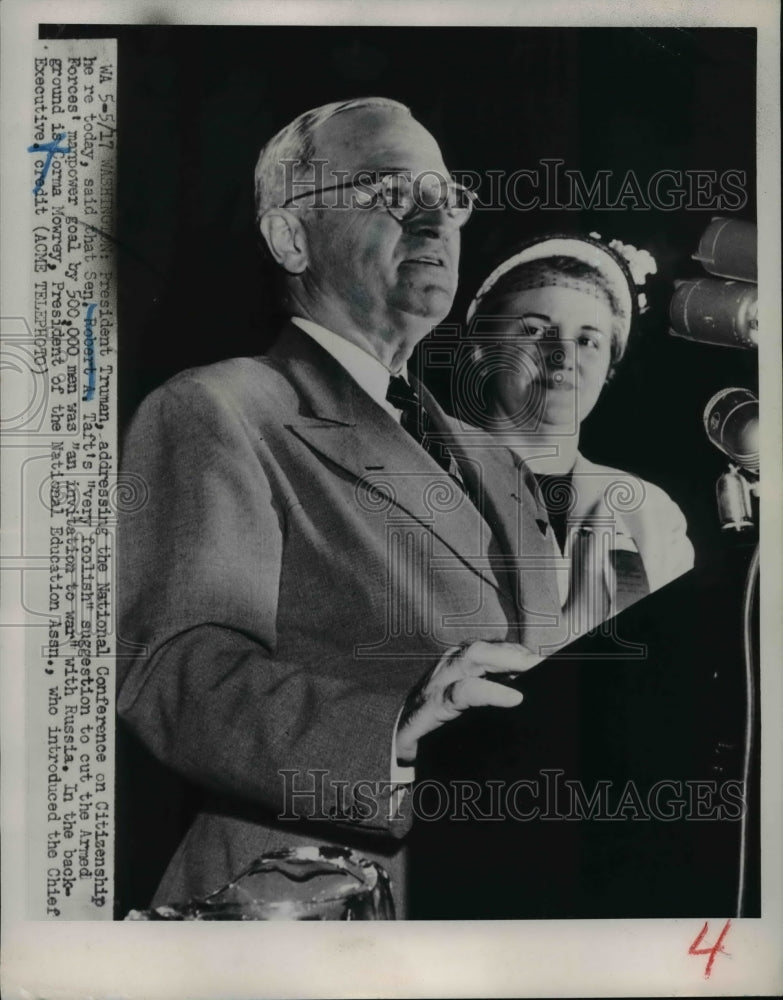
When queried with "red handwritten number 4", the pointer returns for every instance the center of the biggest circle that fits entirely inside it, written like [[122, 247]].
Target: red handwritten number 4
[[713, 951]]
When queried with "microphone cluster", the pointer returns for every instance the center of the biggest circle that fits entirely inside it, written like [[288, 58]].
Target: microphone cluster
[[722, 310], [714, 310]]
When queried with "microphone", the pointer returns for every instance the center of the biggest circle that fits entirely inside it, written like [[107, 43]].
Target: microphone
[[731, 420], [710, 311], [727, 248]]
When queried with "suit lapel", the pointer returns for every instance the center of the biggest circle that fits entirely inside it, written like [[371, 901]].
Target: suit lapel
[[340, 421], [510, 502]]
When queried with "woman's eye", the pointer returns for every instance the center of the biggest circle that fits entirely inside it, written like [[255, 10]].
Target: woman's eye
[[587, 341]]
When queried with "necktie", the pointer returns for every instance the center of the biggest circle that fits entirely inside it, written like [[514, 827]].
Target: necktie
[[416, 421], [559, 496]]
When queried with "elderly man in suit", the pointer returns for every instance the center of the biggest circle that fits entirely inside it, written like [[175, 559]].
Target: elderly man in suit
[[328, 567]]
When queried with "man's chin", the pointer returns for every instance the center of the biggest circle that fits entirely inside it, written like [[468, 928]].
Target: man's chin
[[431, 304]]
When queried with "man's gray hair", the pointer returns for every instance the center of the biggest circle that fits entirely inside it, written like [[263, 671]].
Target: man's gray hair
[[294, 145]]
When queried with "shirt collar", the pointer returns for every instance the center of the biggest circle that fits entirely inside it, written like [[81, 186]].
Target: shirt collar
[[366, 370]]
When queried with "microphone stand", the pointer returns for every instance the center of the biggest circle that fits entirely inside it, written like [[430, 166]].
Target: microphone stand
[[751, 714], [733, 493], [735, 511]]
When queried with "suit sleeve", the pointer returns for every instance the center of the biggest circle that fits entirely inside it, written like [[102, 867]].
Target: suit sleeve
[[204, 689]]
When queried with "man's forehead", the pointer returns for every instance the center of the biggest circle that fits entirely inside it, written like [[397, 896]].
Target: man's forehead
[[377, 138]]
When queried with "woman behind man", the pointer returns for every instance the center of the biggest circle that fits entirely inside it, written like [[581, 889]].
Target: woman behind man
[[548, 328]]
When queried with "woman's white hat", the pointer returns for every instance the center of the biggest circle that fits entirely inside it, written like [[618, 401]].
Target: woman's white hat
[[622, 266]]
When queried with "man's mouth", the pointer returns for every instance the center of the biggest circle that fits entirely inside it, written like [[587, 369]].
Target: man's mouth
[[425, 258]]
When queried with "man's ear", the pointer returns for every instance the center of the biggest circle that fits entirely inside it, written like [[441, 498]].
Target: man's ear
[[286, 239]]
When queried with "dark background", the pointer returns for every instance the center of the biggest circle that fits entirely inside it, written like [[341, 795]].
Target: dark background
[[197, 103]]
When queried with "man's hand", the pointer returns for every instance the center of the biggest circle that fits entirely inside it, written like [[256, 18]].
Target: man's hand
[[458, 682]]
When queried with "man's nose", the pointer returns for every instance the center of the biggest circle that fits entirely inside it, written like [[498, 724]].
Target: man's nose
[[431, 221]]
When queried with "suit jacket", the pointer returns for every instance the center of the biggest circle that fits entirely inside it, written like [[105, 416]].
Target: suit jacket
[[298, 565]]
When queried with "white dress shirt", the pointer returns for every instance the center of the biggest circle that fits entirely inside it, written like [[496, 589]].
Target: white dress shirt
[[363, 367]]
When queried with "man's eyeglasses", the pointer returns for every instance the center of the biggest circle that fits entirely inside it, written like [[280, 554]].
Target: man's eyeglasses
[[401, 195]]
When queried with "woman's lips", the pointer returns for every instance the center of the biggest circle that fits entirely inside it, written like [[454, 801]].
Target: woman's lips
[[558, 381]]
